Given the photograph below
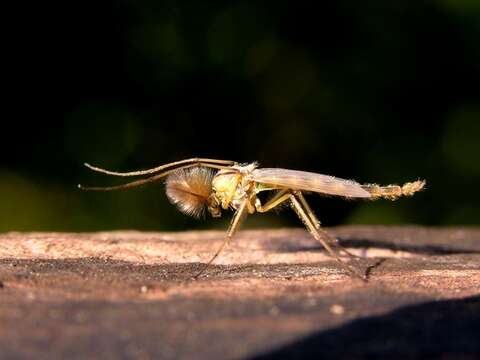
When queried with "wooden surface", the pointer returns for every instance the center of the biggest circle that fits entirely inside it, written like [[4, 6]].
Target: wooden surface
[[271, 294]]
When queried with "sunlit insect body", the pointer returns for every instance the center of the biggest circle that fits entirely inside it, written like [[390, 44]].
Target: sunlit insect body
[[198, 185]]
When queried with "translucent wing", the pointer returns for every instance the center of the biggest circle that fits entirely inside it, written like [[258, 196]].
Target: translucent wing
[[308, 181]]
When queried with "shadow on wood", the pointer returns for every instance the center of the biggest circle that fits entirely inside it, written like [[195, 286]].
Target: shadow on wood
[[443, 329]]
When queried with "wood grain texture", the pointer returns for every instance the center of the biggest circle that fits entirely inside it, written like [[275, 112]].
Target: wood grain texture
[[271, 294]]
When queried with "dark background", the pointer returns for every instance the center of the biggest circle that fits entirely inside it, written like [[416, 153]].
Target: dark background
[[377, 91]]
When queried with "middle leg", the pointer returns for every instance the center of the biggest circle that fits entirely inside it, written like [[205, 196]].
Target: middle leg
[[278, 199]]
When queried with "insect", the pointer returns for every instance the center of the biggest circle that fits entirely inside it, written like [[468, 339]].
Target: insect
[[199, 185]]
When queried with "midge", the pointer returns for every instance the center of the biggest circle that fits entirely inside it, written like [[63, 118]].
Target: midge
[[197, 185]]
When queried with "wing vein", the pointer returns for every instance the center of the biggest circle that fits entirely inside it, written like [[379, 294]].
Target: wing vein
[[308, 181]]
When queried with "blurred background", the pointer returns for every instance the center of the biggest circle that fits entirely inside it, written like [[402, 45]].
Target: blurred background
[[376, 91]]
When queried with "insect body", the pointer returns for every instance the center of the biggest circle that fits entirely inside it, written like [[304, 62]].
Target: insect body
[[198, 185]]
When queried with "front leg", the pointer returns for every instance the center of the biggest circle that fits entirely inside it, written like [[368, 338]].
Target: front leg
[[234, 225]]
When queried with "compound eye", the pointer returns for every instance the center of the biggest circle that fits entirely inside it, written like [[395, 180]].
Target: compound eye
[[214, 206]]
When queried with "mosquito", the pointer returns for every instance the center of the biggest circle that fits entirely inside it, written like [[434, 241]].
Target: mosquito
[[199, 185]]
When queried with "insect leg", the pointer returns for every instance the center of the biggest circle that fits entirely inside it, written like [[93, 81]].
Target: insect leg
[[217, 164], [279, 198], [284, 195], [317, 224], [308, 210], [317, 234], [234, 225]]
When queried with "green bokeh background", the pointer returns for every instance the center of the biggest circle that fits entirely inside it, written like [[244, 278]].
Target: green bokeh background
[[376, 91]]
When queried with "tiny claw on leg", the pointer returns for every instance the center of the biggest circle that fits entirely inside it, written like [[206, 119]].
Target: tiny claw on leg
[[231, 231], [205, 267]]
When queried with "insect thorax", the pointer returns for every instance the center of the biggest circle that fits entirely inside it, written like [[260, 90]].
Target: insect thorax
[[232, 185]]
